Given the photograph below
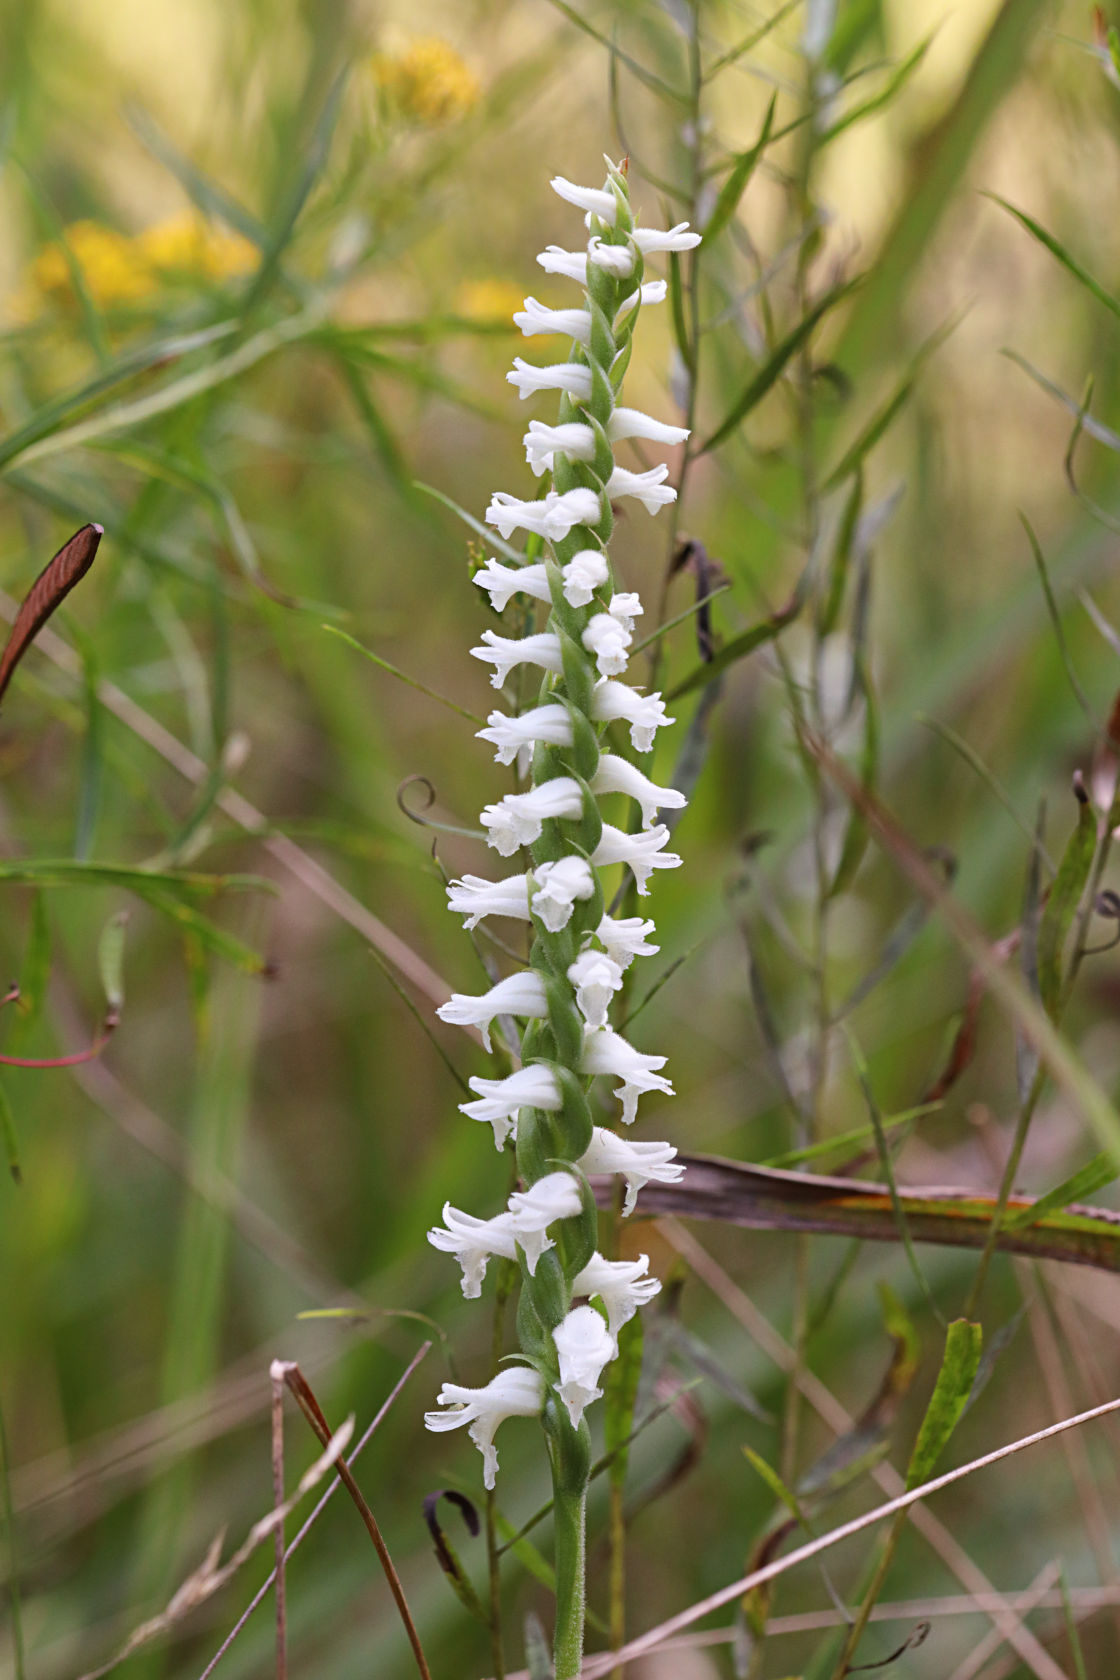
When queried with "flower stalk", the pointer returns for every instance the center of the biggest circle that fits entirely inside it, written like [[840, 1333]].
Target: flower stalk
[[578, 952]]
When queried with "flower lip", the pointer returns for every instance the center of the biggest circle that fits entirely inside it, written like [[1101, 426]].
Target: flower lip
[[516, 1391]]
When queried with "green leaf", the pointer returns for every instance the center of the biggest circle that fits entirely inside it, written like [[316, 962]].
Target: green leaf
[[771, 372], [739, 177], [110, 960], [740, 646], [69, 872], [881, 421], [894, 84], [1058, 250], [785, 1496], [963, 1344], [1061, 906], [1086, 1181]]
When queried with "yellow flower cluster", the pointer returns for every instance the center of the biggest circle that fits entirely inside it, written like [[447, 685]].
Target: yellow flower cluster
[[118, 268], [428, 83]]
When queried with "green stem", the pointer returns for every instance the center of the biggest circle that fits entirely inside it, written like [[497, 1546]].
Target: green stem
[[569, 1511], [871, 1597]]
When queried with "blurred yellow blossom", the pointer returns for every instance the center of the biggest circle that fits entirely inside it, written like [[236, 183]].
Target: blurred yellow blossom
[[122, 268], [488, 300], [428, 82]]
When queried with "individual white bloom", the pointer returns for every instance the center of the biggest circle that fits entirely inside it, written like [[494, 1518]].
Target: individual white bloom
[[617, 260], [597, 200], [516, 1391], [596, 978], [559, 885], [572, 264], [648, 487], [515, 737], [518, 994], [626, 606], [572, 323], [552, 516], [632, 423], [515, 821], [573, 377], [555, 1196], [608, 642], [501, 1100], [621, 1285], [626, 937], [500, 582], [642, 853], [474, 898], [605, 1051], [618, 775], [650, 291], [651, 240], [507, 652], [472, 1241], [638, 1163], [584, 1345], [573, 439], [645, 713], [585, 572]]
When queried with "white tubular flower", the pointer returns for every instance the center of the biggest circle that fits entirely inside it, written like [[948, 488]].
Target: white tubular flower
[[501, 582], [618, 775], [515, 737], [553, 515], [573, 439], [472, 1241], [515, 821], [645, 713], [626, 937], [572, 323], [608, 642], [555, 1196], [632, 423], [597, 200], [518, 994], [572, 264], [584, 1345], [516, 1391], [626, 606], [638, 1163], [650, 291], [572, 377], [474, 898], [596, 978], [505, 653], [652, 240], [615, 260], [559, 885], [585, 572], [641, 852], [500, 1100], [605, 1051], [648, 487], [621, 1285]]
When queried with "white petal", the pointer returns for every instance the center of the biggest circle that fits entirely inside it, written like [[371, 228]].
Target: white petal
[[638, 1163], [651, 240], [559, 885], [594, 199], [516, 1391], [501, 582], [473, 1241], [584, 573], [584, 1345], [573, 377], [518, 994], [632, 423], [571, 323], [621, 1285], [474, 898], [556, 1196], [596, 977], [618, 775], [516, 820], [626, 937], [506, 652], [649, 488], [645, 713], [572, 264], [642, 853]]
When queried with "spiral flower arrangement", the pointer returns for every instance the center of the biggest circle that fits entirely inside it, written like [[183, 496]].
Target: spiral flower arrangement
[[579, 951]]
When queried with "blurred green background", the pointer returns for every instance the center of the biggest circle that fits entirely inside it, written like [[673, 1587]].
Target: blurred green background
[[258, 264]]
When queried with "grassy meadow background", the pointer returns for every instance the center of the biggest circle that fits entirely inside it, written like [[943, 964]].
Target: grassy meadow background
[[257, 288]]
